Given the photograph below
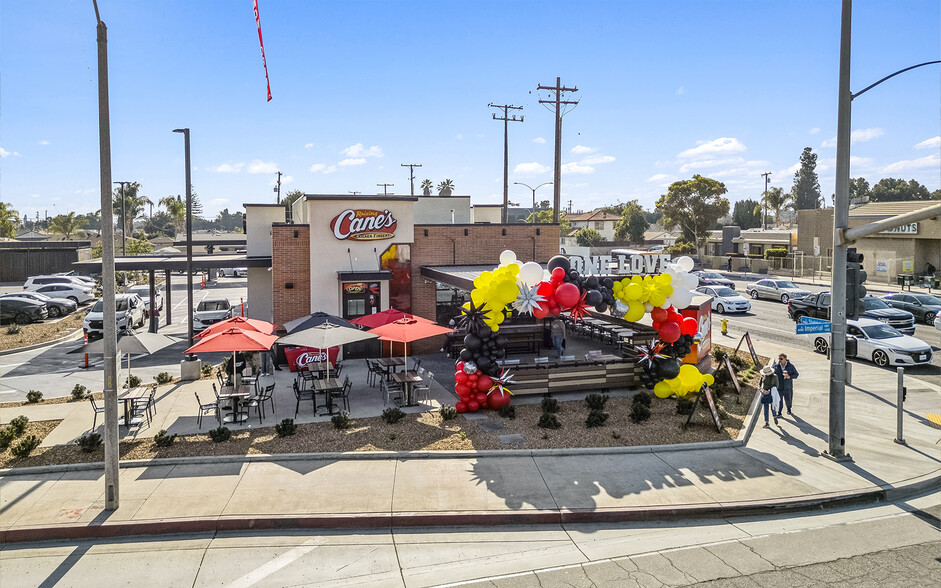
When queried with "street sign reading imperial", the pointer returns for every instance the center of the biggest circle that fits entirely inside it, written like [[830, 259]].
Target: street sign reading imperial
[[363, 225]]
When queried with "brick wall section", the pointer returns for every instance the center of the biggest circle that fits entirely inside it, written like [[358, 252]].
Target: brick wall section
[[290, 263], [482, 245]]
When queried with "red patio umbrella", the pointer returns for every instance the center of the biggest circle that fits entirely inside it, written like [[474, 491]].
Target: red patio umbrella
[[245, 324], [406, 330], [234, 339], [384, 318]]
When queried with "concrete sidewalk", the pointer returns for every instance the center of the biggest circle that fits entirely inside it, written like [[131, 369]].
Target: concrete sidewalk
[[780, 467]]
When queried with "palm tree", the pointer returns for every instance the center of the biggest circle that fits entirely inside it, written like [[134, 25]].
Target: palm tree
[[426, 187], [176, 208], [131, 202], [66, 224], [445, 188], [776, 200], [9, 219]]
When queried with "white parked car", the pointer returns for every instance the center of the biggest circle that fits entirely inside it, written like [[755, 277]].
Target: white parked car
[[937, 321], [782, 290], [144, 292], [210, 311], [77, 293], [880, 343], [33, 283], [234, 272], [129, 310], [725, 299]]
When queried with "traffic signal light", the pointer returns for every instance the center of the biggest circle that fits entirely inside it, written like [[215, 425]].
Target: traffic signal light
[[855, 290]]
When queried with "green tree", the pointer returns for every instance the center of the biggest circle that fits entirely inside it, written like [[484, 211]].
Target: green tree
[[226, 221], [545, 217], [65, 224], [159, 224], [746, 214], [636, 227], [139, 247], [426, 187], [896, 190], [91, 221], [9, 219], [288, 202], [776, 200], [859, 190], [588, 237], [176, 209], [623, 209], [445, 188], [694, 206], [806, 188]]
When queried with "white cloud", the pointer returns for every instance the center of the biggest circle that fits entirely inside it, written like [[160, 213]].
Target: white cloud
[[226, 168], [219, 201], [660, 178], [318, 167], [86, 191], [789, 172], [43, 142], [577, 168], [707, 148], [582, 150], [814, 131], [707, 163], [857, 136], [262, 167], [284, 180], [932, 143], [530, 169], [831, 142], [929, 161], [358, 150], [860, 161], [308, 145], [5, 153], [680, 91], [539, 140], [351, 162], [330, 169], [458, 137], [598, 159]]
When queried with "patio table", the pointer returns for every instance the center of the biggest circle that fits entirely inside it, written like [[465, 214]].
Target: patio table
[[606, 357], [235, 395], [128, 397], [389, 364], [407, 378], [328, 386]]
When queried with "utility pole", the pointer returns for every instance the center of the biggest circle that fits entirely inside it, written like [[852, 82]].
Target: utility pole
[[558, 103], [123, 220], [110, 328], [277, 188], [764, 202], [385, 192], [189, 234], [507, 119], [411, 174]]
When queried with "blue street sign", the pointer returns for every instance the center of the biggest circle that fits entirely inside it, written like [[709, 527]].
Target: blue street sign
[[808, 319], [805, 329]]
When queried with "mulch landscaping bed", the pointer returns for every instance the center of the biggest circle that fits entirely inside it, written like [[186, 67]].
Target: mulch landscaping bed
[[36, 333], [429, 432]]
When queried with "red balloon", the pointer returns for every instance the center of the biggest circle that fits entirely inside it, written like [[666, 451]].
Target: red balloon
[[567, 294], [473, 406], [472, 377], [460, 377], [669, 332], [659, 314], [481, 398], [498, 399], [541, 311], [460, 366], [462, 389], [484, 383], [558, 273], [460, 406], [689, 326], [554, 310], [545, 289]]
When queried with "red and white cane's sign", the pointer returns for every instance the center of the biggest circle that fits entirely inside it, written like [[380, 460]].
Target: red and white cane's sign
[[364, 225]]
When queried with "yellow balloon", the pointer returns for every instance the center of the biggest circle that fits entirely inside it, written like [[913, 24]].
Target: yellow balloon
[[637, 279], [657, 298], [634, 291], [690, 377], [662, 390], [709, 379], [665, 279], [635, 311]]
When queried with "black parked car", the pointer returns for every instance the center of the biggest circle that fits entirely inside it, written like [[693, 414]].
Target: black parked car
[[22, 311], [56, 306], [924, 306], [707, 278]]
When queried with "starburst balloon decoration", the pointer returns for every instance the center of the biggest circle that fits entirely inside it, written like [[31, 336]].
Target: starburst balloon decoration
[[504, 379], [646, 354], [472, 317], [528, 300], [579, 309]]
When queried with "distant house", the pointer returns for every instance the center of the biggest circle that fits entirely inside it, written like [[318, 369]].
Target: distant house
[[32, 236], [602, 222]]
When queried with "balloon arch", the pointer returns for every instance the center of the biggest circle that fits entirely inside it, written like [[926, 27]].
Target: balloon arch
[[529, 289]]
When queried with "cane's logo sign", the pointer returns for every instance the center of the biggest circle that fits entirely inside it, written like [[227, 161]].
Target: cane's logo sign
[[355, 288], [364, 225], [308, 357]]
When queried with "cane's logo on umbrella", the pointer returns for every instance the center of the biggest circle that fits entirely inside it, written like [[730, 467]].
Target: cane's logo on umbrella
[[363, 225]]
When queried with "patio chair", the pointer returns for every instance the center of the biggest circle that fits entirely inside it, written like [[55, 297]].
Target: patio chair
[[303, 395], [417, 364], [370, 374], [219, 400], [98, 410], [307, 377], [389, 389], [209, 407], [337, 370], [258, 401], [148, 403], [541, 361], [567, 359], [422, 390], [344, 393]]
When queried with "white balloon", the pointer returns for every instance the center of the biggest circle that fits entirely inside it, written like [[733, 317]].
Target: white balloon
[[648, 307], [507, 257], [681, 298], [667, 304], [687, 281], [531, 273], [685, 263]]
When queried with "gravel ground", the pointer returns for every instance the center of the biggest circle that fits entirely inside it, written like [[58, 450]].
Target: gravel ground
[[35, 333]]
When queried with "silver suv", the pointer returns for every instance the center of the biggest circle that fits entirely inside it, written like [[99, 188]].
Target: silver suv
[[210, 311], [129, 313]]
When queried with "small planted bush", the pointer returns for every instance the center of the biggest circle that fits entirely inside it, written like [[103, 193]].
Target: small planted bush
[[220, 434], [718, 355], [642, 398], [447, 412], [163, 378], [79, 392], [161, 439], [550, 405], [34, 396], [132, 381], [89, 442], [549, 420], [392, 415], [596, 418], [285, 428], [18, 424], [640, 413], [684, 406], [206, 370], [13, 330], [596, 401], [341, 421], [737, 362], [25, 446], [508, 411], [7, 435]]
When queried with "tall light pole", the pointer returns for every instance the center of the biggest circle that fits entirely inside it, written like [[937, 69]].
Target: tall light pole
[[123, 220], [764, 217], [533, 213], [189, 232]]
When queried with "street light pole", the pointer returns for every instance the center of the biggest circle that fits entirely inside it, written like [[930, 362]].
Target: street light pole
[[123, 220], [189, 232], [533, 213]]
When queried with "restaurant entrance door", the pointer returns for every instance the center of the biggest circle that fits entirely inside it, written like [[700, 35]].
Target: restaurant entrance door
[[360, 299]]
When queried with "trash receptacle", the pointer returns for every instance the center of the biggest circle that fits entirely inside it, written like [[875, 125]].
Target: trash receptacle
[[905, 279]]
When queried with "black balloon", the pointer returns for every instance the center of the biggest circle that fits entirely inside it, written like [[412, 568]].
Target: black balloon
[[607, 283], [483, 362], [594, 298], [591, 281], [601, 307], [559, 261], [669, 368], [472, 341], [493, 370], [466, 354], [502, 340], [649, 385], [573, 275]]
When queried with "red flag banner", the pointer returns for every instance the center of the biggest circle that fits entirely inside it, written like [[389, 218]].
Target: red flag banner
[[262, 43]]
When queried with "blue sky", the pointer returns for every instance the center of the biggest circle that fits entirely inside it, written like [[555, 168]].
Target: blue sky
[[667, 89]]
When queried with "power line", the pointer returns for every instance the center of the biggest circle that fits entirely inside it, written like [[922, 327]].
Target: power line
[[411, 173], [506, 146], [384, 188], [559, 103]]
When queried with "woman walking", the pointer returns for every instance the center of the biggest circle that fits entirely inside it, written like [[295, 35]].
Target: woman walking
[[769, 382]]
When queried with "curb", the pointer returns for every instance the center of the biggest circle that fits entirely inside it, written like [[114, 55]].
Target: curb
[[828, 500], [41, 345]]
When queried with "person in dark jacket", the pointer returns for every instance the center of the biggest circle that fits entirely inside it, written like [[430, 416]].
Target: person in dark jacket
[[786, 373], [768, 381]]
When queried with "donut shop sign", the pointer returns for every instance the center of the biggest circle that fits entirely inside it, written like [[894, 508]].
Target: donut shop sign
[[363, 225]]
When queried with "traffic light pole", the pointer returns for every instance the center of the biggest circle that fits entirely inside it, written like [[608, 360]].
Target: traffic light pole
[[837, 430]]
